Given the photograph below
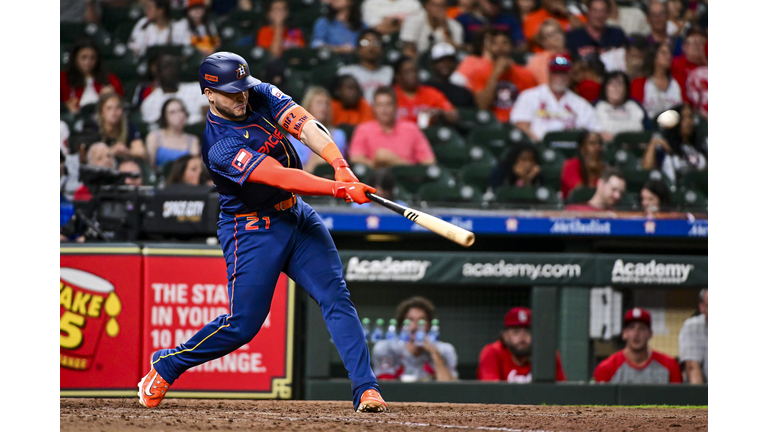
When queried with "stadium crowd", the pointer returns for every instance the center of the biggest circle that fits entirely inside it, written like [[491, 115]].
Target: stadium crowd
[[548, 102]]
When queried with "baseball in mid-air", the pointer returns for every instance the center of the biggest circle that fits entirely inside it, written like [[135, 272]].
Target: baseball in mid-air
[[668, 119]]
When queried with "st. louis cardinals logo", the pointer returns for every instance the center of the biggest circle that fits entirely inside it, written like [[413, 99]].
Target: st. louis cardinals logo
[[241, 71]]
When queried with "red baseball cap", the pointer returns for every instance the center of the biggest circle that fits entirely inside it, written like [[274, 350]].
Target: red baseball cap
[[518, 317], [560, 63], [637, 314]]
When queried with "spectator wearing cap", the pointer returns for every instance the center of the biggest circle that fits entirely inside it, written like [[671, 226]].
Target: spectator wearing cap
[[509, 357], [694, 55], [637, 363], [489, 14], [568, 19], [387, 140], [553, 106], [416, 100], [693, 342], [348, 105], [387, 16], [444, 63], [551, 38], [596, 37], [494, 78], [608, 191], [369, 73], [431, 26]]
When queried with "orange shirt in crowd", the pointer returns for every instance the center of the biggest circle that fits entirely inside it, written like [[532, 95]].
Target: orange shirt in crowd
[[426, 97], [453, 11], [533, 20], [292, 37], [354, 116], [477, 71]]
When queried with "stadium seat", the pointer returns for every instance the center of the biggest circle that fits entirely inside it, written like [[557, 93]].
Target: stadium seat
[[126, 67], [622, 159], [476, 174], [636, 178], [452, 156], [695, 180], [196, 129], [70, 33], [689, 199], [410, 177], [437, 193], [580, 195], [296, 83], [122, 32], [443, 135], [324, 170], [551, 176], [565, 141], [629, 201], [305, 13], [154, 50], [634, 142], [526, 195], [308, 59], [148, 175], [113, 16], [471, 118], [552, 157], [495, 140], [482, 155]]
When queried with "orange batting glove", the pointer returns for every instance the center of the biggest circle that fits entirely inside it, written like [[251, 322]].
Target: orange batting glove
[[341, 171], [353, 191]]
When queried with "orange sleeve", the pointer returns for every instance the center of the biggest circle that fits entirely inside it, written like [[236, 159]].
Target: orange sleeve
[[264, 38], [294, 120], [272, 173], [524, 78], [439, 100], [531, 24]]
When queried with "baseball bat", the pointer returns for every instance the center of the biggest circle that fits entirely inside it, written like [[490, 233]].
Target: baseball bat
[[438, 226]]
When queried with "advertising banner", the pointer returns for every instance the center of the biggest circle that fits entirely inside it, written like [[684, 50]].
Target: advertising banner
[[100, 310], [184, 289], [652, 270]]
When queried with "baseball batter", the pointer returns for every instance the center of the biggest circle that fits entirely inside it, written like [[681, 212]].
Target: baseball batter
[[265, 229]]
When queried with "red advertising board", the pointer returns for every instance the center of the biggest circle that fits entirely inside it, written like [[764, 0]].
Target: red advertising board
[[184, 289], [100, 317]]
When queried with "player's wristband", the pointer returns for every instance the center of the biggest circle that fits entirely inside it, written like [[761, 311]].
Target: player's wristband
[[333, 156], [295, 120]]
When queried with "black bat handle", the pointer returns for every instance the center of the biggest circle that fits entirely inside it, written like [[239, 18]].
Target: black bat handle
[[397, 208]]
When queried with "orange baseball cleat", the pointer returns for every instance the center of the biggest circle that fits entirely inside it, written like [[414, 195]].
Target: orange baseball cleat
[[152, 389], [371, 401]]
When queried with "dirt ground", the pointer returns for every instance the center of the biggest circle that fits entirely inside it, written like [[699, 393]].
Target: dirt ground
[[84, 414]]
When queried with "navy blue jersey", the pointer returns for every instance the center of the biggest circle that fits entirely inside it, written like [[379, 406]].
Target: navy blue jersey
[[582, 46], [233, 149]]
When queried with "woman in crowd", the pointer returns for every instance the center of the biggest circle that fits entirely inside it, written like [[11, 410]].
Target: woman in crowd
[[654, 197], [170, 142], [154, 28], [348, 105], [114, 129], [277, 36], [339, 29], [317, 101], [197, 29], [657, 91], [584, 169], [520, 168], [552, 38], [84, 78], [674, 152], [187, 171], [615, 111]]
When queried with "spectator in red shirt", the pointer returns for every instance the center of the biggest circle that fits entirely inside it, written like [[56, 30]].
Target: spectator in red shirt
[[509, 358], [388, 141], [348, 106], [491, 74], [637, 363], [415, 100], [694, 55], [585, 168], [84, 78], [610, 188], [276, 36]]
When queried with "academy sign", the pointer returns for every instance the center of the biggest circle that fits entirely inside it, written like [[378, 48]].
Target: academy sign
[[650, 272], [386, 269]]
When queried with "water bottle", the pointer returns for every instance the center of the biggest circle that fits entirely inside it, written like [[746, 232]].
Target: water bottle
[[434, 331], [392, 330], [421, 333], [378, 331], [367, 329], [405, 331]]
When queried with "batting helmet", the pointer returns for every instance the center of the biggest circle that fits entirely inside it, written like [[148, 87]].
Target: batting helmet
[[226, 72]]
